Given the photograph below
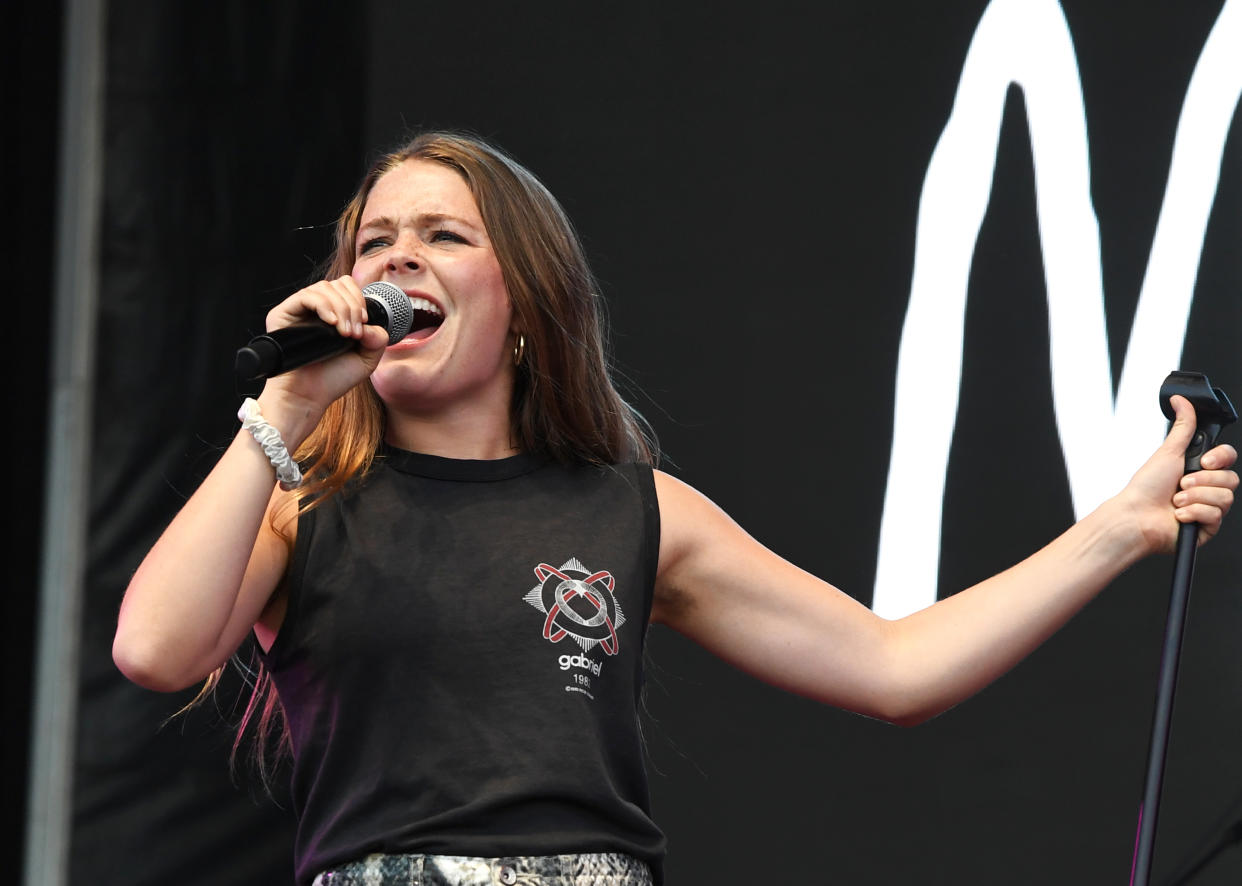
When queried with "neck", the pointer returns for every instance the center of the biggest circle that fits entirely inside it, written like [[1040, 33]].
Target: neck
[[464, 434]]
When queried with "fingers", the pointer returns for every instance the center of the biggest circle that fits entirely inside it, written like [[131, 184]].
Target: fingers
[[1206, 510], [342, 304], [373, 337], [337, 302], [1214, 488], [1206, 496], [1161, 488], [1215, 485], [1183, 425], [1223, 456], [1210, 479], [1219, 497]]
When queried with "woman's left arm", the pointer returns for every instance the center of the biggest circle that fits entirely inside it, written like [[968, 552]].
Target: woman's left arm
[[724, 590]]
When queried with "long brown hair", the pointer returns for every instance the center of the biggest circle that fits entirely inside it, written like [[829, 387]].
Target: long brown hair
[[565, 403]]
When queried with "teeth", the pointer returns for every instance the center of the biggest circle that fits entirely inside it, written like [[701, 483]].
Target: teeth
[[421, 304]]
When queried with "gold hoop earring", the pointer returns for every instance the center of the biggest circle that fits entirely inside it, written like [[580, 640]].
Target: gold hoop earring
[[519, 349]]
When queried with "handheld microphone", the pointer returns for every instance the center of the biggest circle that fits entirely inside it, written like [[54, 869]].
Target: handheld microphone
[[282, 350]]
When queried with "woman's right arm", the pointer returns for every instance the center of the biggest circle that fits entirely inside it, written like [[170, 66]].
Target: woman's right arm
[[209, 577], [213, 572]]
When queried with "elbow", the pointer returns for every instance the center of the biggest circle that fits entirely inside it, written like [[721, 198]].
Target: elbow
[[149, 668], [910, 702], [890, 705], [910, 690], [908, 719], [904, 712]]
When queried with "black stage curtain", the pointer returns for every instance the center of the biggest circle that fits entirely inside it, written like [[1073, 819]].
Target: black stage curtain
[[748, 184], [30, 95], [231, 138]]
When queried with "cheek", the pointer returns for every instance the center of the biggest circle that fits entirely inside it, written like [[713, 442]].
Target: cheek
[[490, 281]]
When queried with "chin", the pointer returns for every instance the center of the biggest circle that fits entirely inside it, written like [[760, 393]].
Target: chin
[[399, 383], [415, 386]]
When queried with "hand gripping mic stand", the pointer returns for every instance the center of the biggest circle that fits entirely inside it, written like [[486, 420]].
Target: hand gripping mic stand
[[1213, 411]]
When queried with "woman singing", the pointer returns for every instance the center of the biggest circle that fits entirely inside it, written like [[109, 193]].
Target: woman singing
[[449, 550]]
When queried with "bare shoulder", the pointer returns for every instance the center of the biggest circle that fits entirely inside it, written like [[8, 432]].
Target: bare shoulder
[[695, 535], [681, 507]]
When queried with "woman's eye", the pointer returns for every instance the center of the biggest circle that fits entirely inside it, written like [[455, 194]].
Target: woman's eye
[[445, 236], [371, 245]]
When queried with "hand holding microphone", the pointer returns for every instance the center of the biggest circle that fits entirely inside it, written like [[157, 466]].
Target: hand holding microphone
[[290, 347]]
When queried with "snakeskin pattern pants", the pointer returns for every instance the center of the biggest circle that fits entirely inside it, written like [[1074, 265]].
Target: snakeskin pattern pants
[[591, 869]]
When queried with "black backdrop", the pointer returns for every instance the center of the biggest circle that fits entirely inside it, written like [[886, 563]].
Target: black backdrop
[[747, 183]]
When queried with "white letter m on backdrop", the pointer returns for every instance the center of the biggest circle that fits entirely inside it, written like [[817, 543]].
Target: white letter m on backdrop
[[1027, 42]]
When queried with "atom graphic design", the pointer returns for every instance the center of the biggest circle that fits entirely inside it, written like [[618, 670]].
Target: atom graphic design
[[577, 603]]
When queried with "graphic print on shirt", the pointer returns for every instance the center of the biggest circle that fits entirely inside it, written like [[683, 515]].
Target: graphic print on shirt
[[580, 604]]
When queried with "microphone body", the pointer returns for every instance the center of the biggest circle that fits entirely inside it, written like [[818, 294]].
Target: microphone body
[[282, 350]]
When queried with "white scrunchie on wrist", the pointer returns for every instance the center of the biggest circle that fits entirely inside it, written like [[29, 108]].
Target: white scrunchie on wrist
[[287, 470]]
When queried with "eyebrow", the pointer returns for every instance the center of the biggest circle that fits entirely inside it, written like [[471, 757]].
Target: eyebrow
[[427, 218]]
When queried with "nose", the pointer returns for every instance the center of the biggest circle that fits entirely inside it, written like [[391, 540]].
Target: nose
[[404, 255]]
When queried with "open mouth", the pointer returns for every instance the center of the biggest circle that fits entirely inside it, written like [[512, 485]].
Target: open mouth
[[426, 320]]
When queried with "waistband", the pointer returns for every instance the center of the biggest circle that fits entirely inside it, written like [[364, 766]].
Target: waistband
[[583, 869]]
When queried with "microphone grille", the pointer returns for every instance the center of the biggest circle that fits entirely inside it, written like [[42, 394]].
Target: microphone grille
[[396, 305]]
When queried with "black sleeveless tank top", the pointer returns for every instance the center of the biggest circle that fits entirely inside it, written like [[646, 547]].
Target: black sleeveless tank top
[[461, 661]]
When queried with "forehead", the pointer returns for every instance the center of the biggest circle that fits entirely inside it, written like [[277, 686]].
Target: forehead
[[420, 187]]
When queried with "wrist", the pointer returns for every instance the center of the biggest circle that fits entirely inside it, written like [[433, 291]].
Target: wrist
[[1125, 534], [293, 416], [268, 437]]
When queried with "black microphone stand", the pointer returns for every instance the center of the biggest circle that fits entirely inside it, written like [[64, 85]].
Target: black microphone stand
[[1213, 411]]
